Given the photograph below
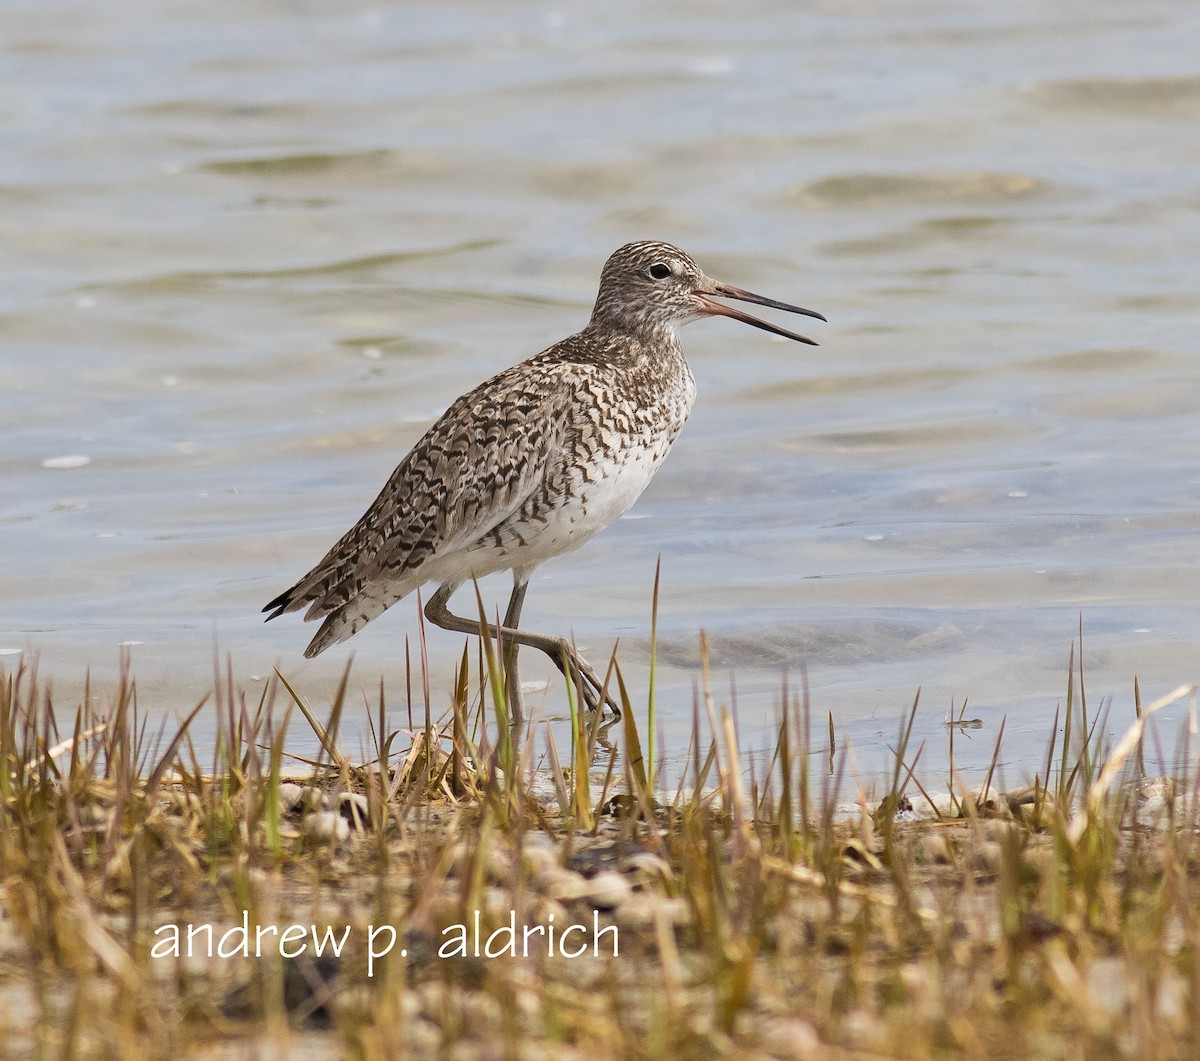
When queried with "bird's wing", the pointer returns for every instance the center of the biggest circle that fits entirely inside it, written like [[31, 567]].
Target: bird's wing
[[471, 470]]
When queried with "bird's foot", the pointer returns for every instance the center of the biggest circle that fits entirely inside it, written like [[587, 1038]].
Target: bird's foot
[[594, 692]]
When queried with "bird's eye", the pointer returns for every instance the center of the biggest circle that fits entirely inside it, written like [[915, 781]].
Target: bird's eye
[[659, 271]]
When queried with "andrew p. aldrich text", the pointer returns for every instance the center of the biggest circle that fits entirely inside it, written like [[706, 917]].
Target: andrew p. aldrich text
[[471, 938]]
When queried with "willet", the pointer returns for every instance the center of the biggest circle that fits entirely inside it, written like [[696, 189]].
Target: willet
[[530, 464]]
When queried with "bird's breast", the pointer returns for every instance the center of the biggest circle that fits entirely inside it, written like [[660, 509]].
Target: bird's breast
[[613, 453]]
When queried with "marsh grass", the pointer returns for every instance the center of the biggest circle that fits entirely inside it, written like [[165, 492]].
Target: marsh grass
[[757, 916]]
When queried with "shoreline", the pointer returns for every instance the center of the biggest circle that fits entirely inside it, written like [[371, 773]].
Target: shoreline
[[747, 914]]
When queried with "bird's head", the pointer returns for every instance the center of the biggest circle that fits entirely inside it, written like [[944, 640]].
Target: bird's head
[[649, 287]]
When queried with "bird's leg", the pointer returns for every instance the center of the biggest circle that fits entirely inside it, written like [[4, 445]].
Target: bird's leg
[[595, 696], [564, 657], [512, 619]]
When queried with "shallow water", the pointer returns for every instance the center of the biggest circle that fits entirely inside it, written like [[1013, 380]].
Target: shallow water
[[250, 251]]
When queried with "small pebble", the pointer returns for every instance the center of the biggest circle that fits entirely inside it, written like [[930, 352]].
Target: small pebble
[[792, 1038], [326, 825], [421, 1038], [291, 796], [641, 910], [934, 850], [608, 890], [989, 801], [540, 859], [562, 884], [355, 808], [943, 806], [984, 857], [1155, 795]]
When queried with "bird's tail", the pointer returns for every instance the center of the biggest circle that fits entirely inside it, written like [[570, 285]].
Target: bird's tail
[[341, 619], [288, 601], [336, 628]]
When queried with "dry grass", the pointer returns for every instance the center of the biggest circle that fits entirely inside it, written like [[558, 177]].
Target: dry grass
[[754, 918]]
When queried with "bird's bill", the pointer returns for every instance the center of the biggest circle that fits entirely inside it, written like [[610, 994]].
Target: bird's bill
[[729, 291]]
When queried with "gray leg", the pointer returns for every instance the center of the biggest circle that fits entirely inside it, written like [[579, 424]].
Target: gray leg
[[512, 619], [573, 666]]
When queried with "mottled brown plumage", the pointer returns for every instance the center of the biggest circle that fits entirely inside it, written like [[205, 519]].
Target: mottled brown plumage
[[531, 463]]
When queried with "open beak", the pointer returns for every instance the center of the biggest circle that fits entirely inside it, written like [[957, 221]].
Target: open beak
[[728, 291]]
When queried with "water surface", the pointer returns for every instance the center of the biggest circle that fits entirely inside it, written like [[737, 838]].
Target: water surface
[[250, 251]]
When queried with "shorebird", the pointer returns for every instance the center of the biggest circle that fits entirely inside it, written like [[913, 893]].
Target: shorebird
[[530, 464]]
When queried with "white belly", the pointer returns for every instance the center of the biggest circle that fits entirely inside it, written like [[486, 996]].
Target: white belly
[[588, 506]]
